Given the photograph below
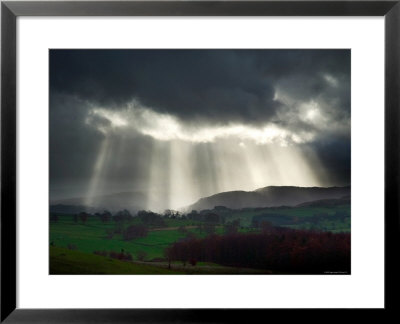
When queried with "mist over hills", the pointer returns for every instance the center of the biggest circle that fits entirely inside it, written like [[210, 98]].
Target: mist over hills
[[132, 201], [271, 196]]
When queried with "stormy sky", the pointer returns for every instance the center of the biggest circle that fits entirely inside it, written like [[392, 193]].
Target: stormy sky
[[178, 125]]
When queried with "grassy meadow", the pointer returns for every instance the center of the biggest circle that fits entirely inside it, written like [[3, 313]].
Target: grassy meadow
[[73, 242]]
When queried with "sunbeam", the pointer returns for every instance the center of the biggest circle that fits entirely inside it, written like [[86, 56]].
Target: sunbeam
[[98, 170], [183, 185], [179, 173], [158, 176]]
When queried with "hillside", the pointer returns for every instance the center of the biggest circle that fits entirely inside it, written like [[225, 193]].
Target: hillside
[[327, 202], [271, 196], [132, 201]]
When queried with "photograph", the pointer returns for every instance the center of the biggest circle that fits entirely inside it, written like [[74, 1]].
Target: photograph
[[199, 161]]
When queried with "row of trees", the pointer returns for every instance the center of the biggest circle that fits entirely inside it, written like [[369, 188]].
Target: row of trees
[[135, 231], [147, 217], [231, 227], [123, 256], [128, 233], [151, 219], [277, 249]]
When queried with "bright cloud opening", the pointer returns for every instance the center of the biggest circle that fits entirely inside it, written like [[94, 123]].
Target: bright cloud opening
[[166, 127]]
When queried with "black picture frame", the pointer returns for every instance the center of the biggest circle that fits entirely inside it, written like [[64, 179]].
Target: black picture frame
[[10, 10]]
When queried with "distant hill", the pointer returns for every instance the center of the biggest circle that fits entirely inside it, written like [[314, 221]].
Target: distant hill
[[132, 201], [326, 202], [68, 209], [271, 196]]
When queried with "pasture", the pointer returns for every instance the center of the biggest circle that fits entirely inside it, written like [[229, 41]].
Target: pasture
[[92, 236], [80, 240], [65, 261]]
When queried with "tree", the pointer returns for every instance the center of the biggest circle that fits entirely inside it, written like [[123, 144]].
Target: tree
[[134, 231], [169, 254], [200, 228], [221, 208], [54, 218], [286, 250], [232, 227], [212, 218], [193, 215], [83, 216], [105, 216], [266, 227], [150, 218], [168, 213], [122, 215]]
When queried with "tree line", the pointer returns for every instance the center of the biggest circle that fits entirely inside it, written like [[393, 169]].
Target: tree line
[[276, 249]]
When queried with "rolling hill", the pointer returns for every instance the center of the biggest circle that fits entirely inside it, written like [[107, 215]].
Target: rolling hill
[[271, 196]]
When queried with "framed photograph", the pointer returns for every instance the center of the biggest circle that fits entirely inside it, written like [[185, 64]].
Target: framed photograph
[[163, 159]]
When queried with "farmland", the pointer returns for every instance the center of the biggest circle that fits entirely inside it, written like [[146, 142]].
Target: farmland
[[80, 239], [91, 236], [65, 261]]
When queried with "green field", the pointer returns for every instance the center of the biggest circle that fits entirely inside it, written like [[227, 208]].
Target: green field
[[64, 261], [91, 237], [79, 240], [305, 217]]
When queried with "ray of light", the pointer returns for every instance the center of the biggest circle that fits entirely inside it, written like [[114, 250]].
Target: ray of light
[[158, 177], [179, 172], [248, 167], [318, 169], [258, 168], [211, 185], [98, 170], [273, 172], [120, 149], [294, 169], [183, 186], [224, 180]]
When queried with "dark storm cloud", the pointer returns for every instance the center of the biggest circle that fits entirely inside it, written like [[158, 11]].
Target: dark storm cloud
[[214, 85], [211, 86], [334, 153], [74, 149], [73, 145]]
